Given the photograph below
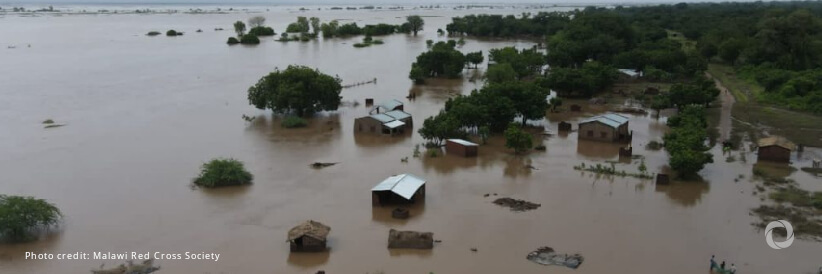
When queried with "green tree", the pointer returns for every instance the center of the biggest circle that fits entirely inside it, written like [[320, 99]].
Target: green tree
[[416, 74], [315, 24], [474, 58], [239, 28], [555, 103], [415, 22], [731, 49], [20, 216], [529, 98], [686, 141], [330, 29], [442, 60], [437, 129], [500, 73], [517, 139], [302, 25], [296, 89]]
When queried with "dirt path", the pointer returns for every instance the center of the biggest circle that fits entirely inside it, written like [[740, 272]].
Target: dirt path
[[725, 119]]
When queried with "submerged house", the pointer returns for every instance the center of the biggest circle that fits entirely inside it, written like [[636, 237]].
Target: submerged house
[[310, 236], [398, 189], [391, 122], [775, 149], [610, 127], [461, 147]]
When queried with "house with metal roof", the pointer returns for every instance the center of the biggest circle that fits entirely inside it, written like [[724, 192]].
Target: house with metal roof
[[775, 149], [386, 106], [391, 122], [398, 189], [461, 147], [609, 127]]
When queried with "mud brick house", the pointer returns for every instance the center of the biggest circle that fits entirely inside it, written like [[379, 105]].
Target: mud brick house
[[607, 128]]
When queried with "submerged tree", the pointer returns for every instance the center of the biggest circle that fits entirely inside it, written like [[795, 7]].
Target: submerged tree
[[239, 28], [415, 23], [20, 216], [223, 172], [256, 21], [517, 139], [297, 89]]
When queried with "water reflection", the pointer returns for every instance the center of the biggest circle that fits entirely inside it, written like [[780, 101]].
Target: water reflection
[[321, 128], [382, 214], [685, 193], [772, 169], [516, 166], [598, 150], [421, 253], [379, 140], [308, 259], [448, 163]]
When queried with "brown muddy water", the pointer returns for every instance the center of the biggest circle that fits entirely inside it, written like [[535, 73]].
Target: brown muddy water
[[142, 113]]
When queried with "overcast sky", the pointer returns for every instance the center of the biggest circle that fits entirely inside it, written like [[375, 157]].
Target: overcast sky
[[342, 2]]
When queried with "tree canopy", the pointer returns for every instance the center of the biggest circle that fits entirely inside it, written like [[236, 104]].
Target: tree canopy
[[442, 60], [686, 141], [415, 23], [20, 216], [297, 89]]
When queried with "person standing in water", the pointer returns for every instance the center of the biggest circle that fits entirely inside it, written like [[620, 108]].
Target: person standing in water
[[722, 266], [733, 269], [713, 263]]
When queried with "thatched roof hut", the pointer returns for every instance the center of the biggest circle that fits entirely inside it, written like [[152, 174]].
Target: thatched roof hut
[[308, 236]]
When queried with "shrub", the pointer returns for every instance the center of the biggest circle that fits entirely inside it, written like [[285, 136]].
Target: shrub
[[517, 139], [223, 172], [19, 216], [249, 39], [173, 33], [361, 45], [233, 41], [261, 31], [377, 42], [293, 122], [153, 33]]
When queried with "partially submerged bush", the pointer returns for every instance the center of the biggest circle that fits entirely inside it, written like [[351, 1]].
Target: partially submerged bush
[[20, 216], [153, 33], [233, 41], [172, 32], [361, 45], [261, 31], [223, 172], [293, 122], [249, 39]]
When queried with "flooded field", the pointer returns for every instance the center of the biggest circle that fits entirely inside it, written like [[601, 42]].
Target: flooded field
[[142, 114]]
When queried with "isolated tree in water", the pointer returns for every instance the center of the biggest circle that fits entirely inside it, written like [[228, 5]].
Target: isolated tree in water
[[19, 216], [297, 89], [416, 23], [517, 139], [239, 28]]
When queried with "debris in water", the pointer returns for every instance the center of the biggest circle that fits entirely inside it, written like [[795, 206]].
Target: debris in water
[[322, 165], [474, 249], [546, 256], [53, 125], [410, 239], [486, 195], [516, 205], [48, 122], [143, 268]]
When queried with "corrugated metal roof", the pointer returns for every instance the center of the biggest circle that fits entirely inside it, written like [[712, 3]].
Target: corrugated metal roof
[[776, 141], [462, 142], [382, 118], [390, 104], [610, 119], [404, 185], [394, 124], [629, 72], [398, 114]]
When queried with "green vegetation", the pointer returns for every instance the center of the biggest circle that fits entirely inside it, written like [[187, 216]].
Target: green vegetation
[[261, 31], [442, 60], [293, 122], [302, 25], [517, 139], [611, 170], [232, 41], [249, 39], [526, 62], [173, 33], [239, 28], [21, 216], [368, 41], [701, 91], [153, 33], [500, 73], [223, 172], [297, 89], [474, 58], [414, 23], [539, 25], [586, 81], [48, 121], [686, 141]]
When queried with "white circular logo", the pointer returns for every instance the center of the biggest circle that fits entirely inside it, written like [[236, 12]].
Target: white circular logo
[[769, 234]]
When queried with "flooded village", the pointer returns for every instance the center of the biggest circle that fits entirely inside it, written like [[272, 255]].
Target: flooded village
[[118, 129]]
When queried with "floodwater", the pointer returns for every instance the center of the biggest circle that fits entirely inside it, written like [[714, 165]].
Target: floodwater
[[142, 113]]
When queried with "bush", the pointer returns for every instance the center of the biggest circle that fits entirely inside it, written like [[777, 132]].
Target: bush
[[517, 139], [249, 39], [233, 41], [293, 122], [173, 33], [153, 33], [261, 31], [361, 45], [19, 216], [377, 42], [223, 172]]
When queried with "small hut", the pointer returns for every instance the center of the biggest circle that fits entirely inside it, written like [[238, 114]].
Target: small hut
[[398, 189], [775, 149], [410, 239], [564, 126], [461, 147], [308, 237]]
